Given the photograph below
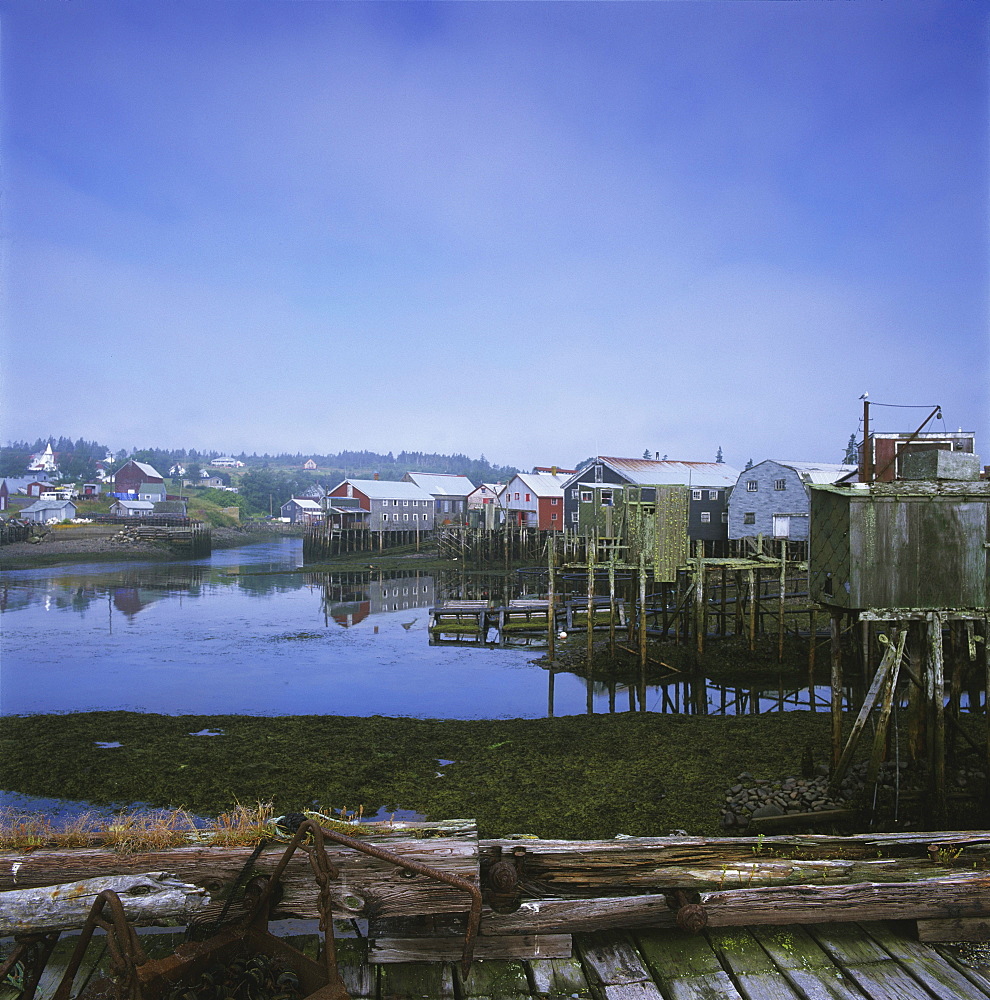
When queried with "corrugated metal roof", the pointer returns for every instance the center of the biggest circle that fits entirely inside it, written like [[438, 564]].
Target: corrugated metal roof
[[646, 472], [135, 504], [384, 489], [819, 473], [306, 504], [451, 486], [543, 484]]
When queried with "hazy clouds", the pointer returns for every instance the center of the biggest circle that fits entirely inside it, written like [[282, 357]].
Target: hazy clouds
[[535, 231]]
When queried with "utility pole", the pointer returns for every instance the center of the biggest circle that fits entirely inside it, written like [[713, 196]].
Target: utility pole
[[867, 475]]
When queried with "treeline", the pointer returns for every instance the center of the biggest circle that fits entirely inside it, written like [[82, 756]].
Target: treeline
[[76, 459], [267, 480]]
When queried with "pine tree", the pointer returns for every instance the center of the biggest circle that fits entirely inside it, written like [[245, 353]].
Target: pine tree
[[852, 452], [718, 458]]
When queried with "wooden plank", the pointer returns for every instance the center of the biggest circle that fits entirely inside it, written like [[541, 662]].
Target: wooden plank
[[871, 967], [805, 965], [824, 984], [811, 904], [493, 979], [416, 979], [675, 954], [954, 929], [147, 897], [358, 976], [792, 948], [888, 981], [449, 949], [978, 977], [847, 944], [766, 986], [559, 977], [571, 915], [926, 965], [584, 868], [714, 986], [58, 961], [740, 952], [633, 991], [611, 958], [365, 885]]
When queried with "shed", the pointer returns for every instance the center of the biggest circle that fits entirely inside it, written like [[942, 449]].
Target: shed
[[43, 511], [917, 545], [132, 508]]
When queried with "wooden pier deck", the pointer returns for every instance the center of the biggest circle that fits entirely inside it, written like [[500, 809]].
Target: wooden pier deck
[[848, 961]]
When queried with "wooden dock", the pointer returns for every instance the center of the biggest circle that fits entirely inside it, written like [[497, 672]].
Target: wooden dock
[[849, 961]]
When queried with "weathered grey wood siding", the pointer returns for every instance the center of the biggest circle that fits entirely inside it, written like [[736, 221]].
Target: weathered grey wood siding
[[901, 545]]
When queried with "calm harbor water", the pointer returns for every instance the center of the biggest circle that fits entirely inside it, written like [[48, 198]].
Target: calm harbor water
[[245, 632]]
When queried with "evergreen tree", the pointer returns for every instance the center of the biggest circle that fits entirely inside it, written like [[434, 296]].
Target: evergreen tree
[[852, 452], [749, 463], [718, 458]]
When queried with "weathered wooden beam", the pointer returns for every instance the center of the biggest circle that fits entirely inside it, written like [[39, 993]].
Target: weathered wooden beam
[[366, 885], [935, 900], [147, 898], [450, 949], [955, 929]]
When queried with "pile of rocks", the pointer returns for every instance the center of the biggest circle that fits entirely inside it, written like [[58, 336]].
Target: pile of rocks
[[751, 798]]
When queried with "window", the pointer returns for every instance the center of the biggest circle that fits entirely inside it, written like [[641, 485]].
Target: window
[[553, 517], [713, 494], [395, 503], [606, 498], [405, 517], [706, 517], [750, 517], [553, 501], [527, 498], [574, 494], [384, 517], [415, 517], [574, 517], [517, 496], [585, 496], [725, 517], [780, 484], [405, 503], [752, 486], [695, 494]]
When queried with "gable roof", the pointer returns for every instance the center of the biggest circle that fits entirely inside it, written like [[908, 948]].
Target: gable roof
[[817, 473], [435, 482], [385, 489], [646, 472], [47, 505], [134, 504], [543, 484], [143, 467], [304, 504]]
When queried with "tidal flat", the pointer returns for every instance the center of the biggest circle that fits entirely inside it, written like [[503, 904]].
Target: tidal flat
[[574, 777]]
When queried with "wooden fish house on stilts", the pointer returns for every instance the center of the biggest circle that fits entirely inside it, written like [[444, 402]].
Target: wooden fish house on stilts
[[907, 565]]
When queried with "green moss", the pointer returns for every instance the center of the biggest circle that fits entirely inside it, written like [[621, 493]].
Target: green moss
[[570, 777]]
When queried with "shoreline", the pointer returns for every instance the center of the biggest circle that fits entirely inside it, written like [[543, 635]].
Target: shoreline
[[62, 548]]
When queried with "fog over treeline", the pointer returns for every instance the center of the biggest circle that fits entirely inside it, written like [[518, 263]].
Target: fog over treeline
[[78, 458]]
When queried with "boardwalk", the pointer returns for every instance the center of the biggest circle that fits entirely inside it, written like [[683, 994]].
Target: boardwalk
[[871, 961]]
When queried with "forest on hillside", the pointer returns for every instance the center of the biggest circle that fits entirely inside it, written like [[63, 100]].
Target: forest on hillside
[[77, 460]]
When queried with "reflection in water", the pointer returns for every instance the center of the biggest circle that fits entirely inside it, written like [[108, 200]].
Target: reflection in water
[[248, 631]]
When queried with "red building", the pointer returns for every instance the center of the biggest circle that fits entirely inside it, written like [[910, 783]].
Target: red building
[[888, 449], [130, 477]]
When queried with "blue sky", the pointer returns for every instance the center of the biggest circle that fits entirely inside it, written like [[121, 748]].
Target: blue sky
[[537, 231]]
